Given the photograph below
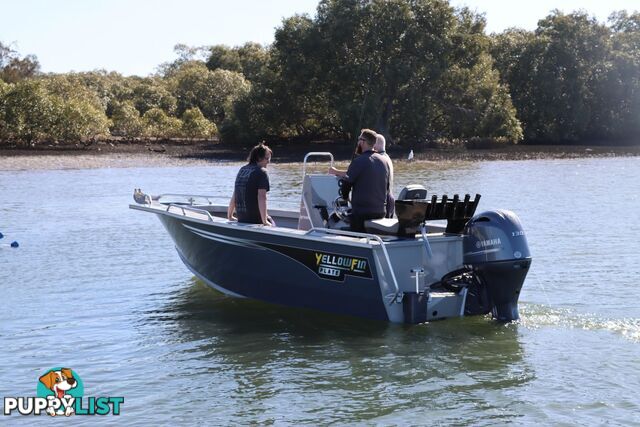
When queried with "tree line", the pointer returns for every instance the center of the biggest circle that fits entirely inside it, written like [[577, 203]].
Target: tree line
[[419, 71]]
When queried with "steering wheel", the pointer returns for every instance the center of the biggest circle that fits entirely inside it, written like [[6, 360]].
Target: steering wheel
[[341, 208], [341, 205]]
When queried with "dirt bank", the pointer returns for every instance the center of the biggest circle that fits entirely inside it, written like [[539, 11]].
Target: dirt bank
[[181, 153]]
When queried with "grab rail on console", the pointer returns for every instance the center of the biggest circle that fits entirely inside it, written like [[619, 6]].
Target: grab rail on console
[[316, 154]]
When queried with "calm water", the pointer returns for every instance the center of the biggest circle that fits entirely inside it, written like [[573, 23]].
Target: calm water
[[99, 288]]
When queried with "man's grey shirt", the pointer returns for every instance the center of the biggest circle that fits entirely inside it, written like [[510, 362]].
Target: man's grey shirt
[[386, 157]]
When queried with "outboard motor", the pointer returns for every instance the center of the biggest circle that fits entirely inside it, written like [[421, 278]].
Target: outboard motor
[[413, 192], [495, 248]]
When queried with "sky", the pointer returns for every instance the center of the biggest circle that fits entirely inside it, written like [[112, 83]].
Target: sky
[[134, 37]]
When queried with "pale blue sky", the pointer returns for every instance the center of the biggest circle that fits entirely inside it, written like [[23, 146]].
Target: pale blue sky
[[135, 36]]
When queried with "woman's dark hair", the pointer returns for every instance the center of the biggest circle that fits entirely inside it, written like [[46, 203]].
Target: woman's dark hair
[[258, 153]]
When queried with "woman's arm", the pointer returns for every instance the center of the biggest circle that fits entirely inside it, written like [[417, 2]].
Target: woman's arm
[[232, 207], [262, 205]]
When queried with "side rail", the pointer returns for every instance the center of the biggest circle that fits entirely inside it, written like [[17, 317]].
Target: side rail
[[195, 199], [315, 154], [184, 209], [369, 237], [191, 199]]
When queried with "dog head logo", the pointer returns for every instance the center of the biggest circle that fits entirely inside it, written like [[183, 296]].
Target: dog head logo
[[60, 386], [59, 382]]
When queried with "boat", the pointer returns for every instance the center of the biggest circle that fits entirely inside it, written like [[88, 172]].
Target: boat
[[438, 259]]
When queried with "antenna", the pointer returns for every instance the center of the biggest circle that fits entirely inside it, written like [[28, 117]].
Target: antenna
[[364, 102]]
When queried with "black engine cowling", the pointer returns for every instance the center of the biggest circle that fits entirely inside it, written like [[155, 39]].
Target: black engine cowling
[[496, 250]]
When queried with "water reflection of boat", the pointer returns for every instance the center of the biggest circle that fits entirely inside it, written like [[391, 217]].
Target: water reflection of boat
[[411, 269], [207, 325]]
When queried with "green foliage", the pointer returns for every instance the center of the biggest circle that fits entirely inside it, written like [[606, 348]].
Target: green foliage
[[80, 114], [108, 87], [28, 113], [254, 58], [13, 68], [80, 119], [381, 64], [195, 124], [148, 93], [225, 58], [54, 109], [185, 54], [126, 120], [71, 86], [477, 105], [159, 125], [212, 92], [574, 79], [573, 55], [249, 59], [4, 88], [620, 88], [414, 70]]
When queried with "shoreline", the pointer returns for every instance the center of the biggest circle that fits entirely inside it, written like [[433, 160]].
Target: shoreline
[[202, 153]]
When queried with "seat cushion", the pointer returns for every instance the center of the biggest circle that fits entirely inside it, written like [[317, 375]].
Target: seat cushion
[[384, 226]]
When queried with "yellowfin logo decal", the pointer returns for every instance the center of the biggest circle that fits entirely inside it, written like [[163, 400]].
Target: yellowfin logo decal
[[336, 266], [325, 264]]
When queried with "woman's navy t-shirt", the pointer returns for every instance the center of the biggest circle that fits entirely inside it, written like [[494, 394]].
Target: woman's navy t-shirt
[[249, 180]]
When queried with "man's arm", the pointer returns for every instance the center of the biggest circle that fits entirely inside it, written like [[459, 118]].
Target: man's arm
[[337, 172], [232, 207], [355, 167]]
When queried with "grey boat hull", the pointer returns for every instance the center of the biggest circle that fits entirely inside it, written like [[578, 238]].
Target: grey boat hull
[[241, 261]]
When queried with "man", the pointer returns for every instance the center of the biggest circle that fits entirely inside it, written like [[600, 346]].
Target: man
[[249, 199], [380, 148], [369, 176]]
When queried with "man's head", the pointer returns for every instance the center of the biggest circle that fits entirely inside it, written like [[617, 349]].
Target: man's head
[[381, 143], [260, 155], [367, 139]]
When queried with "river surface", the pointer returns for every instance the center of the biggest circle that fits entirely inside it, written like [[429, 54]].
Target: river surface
[[99, 288]]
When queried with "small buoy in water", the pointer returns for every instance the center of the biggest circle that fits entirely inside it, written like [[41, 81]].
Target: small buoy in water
[[410, 157], [14, 244]]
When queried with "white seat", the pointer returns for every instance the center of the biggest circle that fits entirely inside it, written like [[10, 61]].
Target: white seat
[[384, 226]]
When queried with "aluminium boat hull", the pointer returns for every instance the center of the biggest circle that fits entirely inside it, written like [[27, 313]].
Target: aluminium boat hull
[[292, 270]]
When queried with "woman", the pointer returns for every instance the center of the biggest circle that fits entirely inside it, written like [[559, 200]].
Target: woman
[[249, 200]]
